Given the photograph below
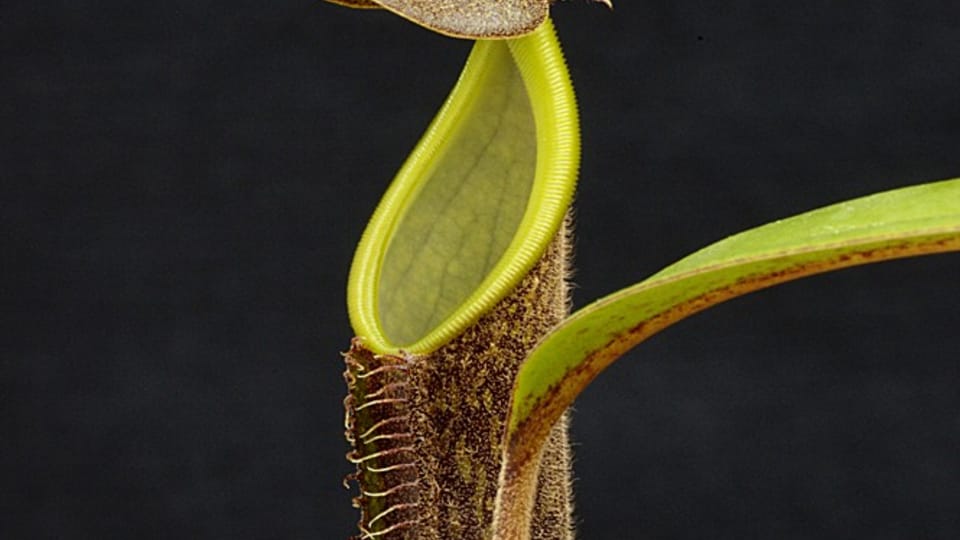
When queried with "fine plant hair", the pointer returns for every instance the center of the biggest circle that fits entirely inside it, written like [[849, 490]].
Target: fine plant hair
[[405, 413]]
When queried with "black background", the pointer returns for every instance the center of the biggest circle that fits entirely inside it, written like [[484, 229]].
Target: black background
[[183, 183]]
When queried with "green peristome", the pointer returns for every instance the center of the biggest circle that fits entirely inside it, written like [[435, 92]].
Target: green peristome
[[910, 221], [476, 203]]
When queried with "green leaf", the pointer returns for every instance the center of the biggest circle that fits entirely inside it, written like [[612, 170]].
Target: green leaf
[[476, 203], [906, 222]]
